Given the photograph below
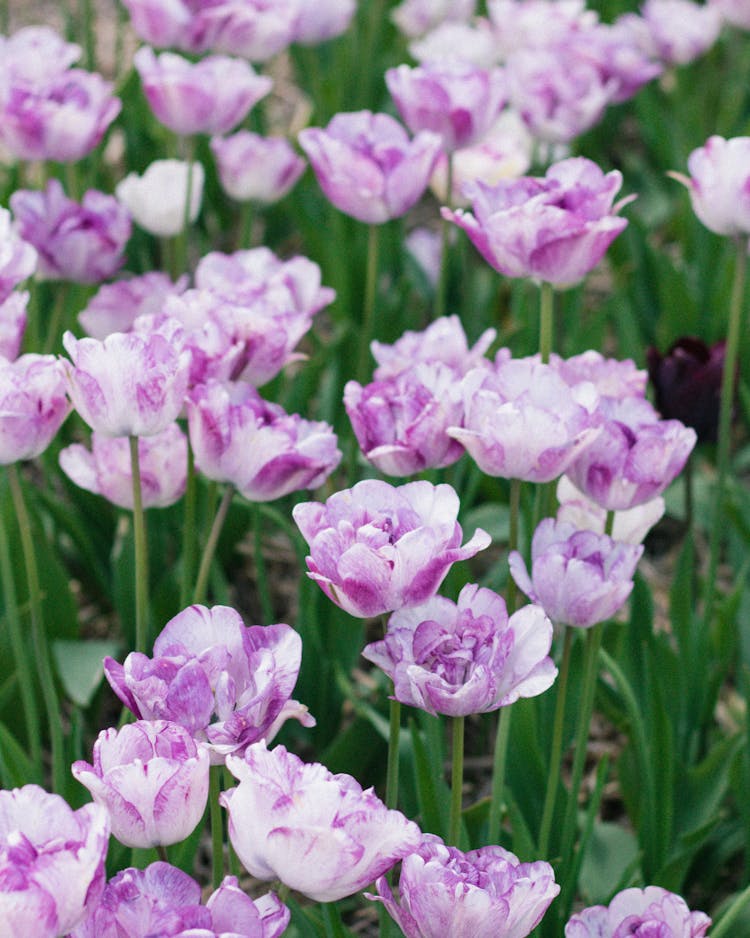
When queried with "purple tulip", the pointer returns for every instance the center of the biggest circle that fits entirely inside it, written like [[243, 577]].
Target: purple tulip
[[368, 167], [105, 469], [401, 422], [156, 200], [152, 777], [719, 184], [649, 911], [256, 169], [735, 12], [239, 438], [674, 31], [319, 833], [211, 96], [459, 102], [33, 405], [444, 340], [79, 242], [35, 55], [610, 376], [417, 17], [629, 526], [522, 421], [578, 577], [468, 657], [635, 456], [116, 306], [162, 900], [556, 228], [12, 324], [131, 384], [229, 685], [51, 862], [426, 248], [18, 259], [320, 20], [687, 382], [453, 43], [62, 119], [484, 893], [375, 548]]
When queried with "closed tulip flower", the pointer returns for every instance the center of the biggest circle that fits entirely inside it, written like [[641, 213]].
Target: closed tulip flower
[[375, 548], [33, 405], [578, 577], [18, 259], [211, 96], [116, 306], [12, 324], [156, 200], [719, 185], [368, 167], [256, 169], [649, 911], [152, 777], [319, 833], [51, 862]]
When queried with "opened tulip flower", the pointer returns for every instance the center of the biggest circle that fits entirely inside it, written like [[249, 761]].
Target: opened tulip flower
[[368, 167], [156, 200], [320, 20], [106, 469], [130, 384], [319, 833], [650, 911], [465, 657], [611, 377], [256, 169], [116, 306], [33, 405], [152, 777], [228, 684], [51, 862], [12, 324], [631, 525], [485, 893], [34, 55], [417, 17], [578, 577], [83, 242], [555, 228], [210, 96], [18, 259], [375, 548]]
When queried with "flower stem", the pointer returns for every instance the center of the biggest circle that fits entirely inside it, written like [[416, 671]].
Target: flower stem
[[391, 776], [217, 825], [553, 778], [586, 706], [511, 593], [457, 779], [39, 636], [261, 578], [209, 550], [442, 286], [728, 919], [188, 529], [546, 317], [371, 282], [181, 252], [498, 774], [731, 354], [246, 225], [21, 656], [141, 552]]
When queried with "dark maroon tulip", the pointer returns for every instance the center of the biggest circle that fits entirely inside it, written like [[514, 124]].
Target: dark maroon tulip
[[687, 383]]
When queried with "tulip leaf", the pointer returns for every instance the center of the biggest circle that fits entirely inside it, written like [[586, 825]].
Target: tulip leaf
[[79, 666], [609, 861], [16, 769]]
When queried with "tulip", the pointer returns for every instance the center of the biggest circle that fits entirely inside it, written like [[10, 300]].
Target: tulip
[[649, 911], [12, 324], [35, 55], [18, 259], [320, 20], [116, 306], [33, 406], [417, 17], [156, 200], [256, 169]]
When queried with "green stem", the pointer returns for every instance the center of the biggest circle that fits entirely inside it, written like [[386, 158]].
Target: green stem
[[457, 780], [586, 706], [442, 286], [371, 282], [54, 327], [511, 592], [246, 225], [189, 534], [141, 552], [553, 778], [261, 578], [731, 354], [498, 774], [391, 776], [181, 245], [21, 656], [39, 636], [726, 922], [546, 319], [217, 825], [209, 550]]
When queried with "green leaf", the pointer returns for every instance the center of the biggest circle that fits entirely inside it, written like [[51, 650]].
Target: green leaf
[[610, 857], [16, 769], [79, 666]]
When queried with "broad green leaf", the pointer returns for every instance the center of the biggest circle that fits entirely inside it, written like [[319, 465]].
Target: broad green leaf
[[79, 666]]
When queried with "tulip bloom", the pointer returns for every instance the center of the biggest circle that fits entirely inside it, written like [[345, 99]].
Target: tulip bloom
[[130, 384], [485, 893], [105, 469], [211, 96], [631, 525], [719, 185], [51, 862], [152, 777], [35, 55], [464, 658], [319, 833], [228, 684], [156, 200], [368, 167], [33, 405], [320, 20], [116, 306], [256, 169], [555, 229], [649, 911], [12, 324], [578, 577], [417, 17], [375, 548], [18, 259]]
